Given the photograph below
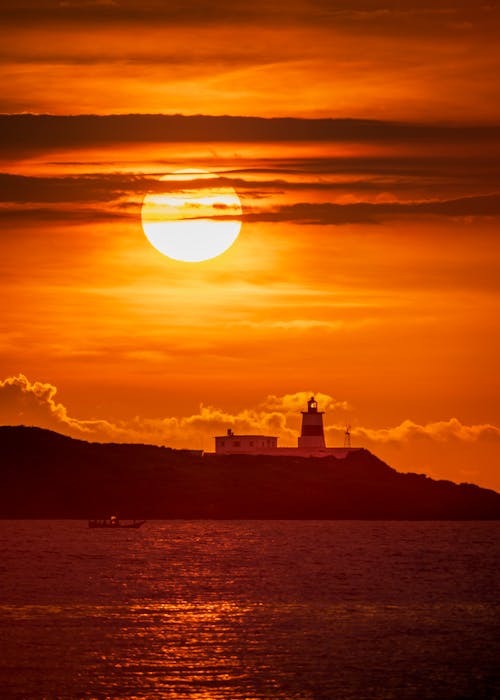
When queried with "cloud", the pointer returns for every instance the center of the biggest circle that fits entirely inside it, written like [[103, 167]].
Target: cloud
[[333, 214], [37, 214], [97, 197], [78, 188], [34, 403], [439, 431], [326, 213], [49, 131], [293, 403]]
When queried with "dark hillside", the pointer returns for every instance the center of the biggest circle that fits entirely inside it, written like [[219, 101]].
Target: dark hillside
[[47, 475]]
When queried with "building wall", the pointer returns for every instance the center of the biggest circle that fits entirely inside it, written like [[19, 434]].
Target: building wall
[[248, 444]]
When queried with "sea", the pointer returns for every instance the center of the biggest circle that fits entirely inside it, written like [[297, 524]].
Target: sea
[[240, 610]]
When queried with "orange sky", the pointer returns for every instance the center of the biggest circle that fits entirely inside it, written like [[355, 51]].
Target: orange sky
[[364, 58], [366, 269]]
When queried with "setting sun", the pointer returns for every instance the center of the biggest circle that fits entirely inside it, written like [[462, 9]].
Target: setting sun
[[191, 220]]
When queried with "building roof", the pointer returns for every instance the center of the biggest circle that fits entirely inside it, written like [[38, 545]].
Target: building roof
[[254, 437]]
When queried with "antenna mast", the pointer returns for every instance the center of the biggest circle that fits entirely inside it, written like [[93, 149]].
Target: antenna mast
[[347, 436]]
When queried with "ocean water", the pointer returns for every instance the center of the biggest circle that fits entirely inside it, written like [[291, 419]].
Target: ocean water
[[209, 610]]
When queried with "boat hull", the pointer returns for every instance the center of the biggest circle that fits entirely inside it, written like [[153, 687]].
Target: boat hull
[[114, 525]]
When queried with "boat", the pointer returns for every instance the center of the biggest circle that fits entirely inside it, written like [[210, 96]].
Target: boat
[[115, 522]]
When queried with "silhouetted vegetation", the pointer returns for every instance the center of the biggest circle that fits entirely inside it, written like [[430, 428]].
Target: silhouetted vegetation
[[47, 475]]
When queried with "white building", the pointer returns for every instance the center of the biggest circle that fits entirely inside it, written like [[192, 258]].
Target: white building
[[231, 443], [311, 442]]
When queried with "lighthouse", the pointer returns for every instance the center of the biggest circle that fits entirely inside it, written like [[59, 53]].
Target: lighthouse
[[311, 442], [312, 435]]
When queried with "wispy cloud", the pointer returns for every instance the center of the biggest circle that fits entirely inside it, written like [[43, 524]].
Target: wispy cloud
[[319, 191], [326, 213], [71, 188]]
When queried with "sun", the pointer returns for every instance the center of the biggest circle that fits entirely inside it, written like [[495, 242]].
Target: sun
[[191, 218]]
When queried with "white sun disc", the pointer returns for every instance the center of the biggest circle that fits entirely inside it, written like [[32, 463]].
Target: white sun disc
[[189, 219]]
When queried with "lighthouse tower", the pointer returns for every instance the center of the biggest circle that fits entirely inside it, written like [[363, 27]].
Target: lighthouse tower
[[312, 435]]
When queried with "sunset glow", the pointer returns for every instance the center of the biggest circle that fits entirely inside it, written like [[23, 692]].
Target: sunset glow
[[333, 167]]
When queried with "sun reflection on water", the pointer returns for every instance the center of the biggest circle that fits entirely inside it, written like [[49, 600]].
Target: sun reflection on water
[[249, 611]]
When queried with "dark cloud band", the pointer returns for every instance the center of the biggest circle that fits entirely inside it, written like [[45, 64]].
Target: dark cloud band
[[49, 131]]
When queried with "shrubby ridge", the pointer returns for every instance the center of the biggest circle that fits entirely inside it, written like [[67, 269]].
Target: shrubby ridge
[[47, 475]]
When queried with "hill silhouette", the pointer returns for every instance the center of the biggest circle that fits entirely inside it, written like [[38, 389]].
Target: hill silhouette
[[47, 475]]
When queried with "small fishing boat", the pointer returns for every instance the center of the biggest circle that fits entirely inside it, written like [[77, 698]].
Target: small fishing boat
[[115, 522]]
